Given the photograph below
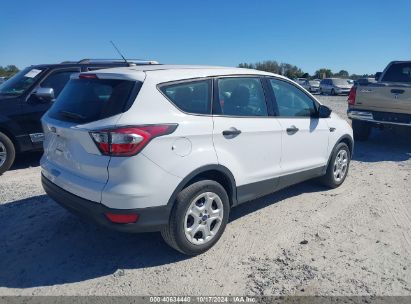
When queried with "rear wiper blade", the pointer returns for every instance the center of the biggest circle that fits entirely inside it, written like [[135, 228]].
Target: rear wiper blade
[[72, 115], [9, 93]]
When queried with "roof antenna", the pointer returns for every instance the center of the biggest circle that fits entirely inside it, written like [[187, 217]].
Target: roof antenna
[[118, 51]]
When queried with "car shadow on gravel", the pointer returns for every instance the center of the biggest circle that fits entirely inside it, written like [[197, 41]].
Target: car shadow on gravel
[[27, 160], [41, 244], [386, 145]]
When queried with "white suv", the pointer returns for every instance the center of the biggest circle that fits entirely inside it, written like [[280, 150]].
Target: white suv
[[174, 148]]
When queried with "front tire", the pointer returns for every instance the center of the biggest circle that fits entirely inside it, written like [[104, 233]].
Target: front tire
[[361, 130], [333, 92], [7, 153], [338, 166], [198, 219]]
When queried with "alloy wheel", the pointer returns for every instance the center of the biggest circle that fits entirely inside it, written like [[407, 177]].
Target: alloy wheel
[[203, 218], [340, 165], [3, 154]]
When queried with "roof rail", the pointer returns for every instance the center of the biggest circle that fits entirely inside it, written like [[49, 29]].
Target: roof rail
[[130, 61]]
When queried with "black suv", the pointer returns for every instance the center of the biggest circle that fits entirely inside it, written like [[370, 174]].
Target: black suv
[[25, 97]]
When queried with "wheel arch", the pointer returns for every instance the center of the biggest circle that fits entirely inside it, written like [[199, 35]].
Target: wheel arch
[[10, 135], [347, 139], [218, 173]]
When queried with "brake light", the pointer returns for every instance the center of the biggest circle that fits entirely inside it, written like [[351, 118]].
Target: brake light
[[130, 140], [122, 218], [352, 96], [88, 76]]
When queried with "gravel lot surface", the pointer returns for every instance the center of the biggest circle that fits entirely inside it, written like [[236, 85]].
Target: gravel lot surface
[[358, 238]]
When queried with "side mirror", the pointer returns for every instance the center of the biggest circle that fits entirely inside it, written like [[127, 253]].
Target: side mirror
[[377, 75], [46, 94], [324, 111]]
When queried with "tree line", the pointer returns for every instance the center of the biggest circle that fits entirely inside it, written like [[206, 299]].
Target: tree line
[[8, 71], [286, 69], [292, 71]]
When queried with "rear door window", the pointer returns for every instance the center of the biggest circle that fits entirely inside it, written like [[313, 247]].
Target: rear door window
[[191, 97], [241, 96], [87, 100], [398, 72]]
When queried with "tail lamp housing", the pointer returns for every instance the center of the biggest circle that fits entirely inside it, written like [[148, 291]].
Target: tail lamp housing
[[352, 96], [128, 141]]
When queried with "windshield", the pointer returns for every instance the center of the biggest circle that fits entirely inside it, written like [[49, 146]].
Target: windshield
[[20, 82], [314, 83], [340, 81]]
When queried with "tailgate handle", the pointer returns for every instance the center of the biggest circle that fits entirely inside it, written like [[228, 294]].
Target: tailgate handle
[[396, 91]]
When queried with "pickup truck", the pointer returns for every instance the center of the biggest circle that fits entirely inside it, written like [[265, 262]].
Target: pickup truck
[[385, 103]]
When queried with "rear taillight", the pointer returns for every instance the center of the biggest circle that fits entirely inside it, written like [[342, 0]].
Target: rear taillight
[[130, 140], [352, 96], [88, 76]]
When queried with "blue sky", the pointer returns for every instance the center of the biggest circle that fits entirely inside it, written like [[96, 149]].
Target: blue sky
[[359, 36]]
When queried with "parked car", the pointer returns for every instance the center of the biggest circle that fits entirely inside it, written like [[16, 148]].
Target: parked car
[[2, 79], [364, 81], [25, 97], [385, 103], [335, 86], [300, 81], [174, 148], [312, 86]]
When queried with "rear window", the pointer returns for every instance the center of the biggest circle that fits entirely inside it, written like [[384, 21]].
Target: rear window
[[398, 72], [340, 81], [87, 100]]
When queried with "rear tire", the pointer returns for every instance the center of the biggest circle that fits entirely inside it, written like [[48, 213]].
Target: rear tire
[[361, 130], [189, 230], [7, 153], [338, 166]]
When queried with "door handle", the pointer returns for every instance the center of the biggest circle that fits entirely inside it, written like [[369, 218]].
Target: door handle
[[231, 132], [396, 91], [292, 130]]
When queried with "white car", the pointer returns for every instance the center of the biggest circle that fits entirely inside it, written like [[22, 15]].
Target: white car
[[300, 81], [335, 86], [312, 86], [174, 148]]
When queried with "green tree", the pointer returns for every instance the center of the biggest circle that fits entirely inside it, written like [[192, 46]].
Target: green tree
[[306, 75], [323, 73], [342, 74], [8, 71], [272, 66]]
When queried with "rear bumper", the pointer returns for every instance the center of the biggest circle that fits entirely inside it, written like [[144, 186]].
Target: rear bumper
[[342, 91], [380, 118], [150, 219]]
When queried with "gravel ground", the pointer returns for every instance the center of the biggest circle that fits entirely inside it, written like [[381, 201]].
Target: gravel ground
[[304, 240]]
